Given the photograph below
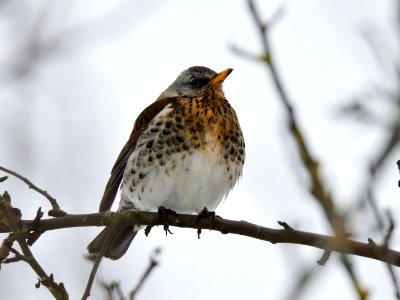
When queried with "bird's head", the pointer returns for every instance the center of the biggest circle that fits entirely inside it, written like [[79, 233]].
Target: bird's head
[[196, 80]]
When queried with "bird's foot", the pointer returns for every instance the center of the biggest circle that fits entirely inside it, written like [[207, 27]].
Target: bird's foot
[[163, 217], [206, 214]]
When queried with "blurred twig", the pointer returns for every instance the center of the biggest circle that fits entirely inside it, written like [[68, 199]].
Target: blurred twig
[[96, 265], [113, 289], [303, 279], [386, 241], [388, 63], [152, 264], [317, 187], [380, 48], [311, 165]]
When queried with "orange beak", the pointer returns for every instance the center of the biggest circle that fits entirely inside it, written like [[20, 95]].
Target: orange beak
[[220, 77]]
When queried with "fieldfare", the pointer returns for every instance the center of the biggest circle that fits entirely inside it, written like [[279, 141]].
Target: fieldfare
[[185, 153]]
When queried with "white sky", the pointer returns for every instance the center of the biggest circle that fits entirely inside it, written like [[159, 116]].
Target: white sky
[[68, 121]]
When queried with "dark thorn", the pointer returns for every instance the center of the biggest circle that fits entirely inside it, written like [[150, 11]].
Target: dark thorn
[[147, 230], [35, 222], [56, 213], [198, 233], [324, 258], [4, 178], [285, 225], [371, 242], [37, 284]]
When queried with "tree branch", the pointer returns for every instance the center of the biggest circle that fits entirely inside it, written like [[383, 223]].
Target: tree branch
[[275, 236], [56, 289], [311, 164]]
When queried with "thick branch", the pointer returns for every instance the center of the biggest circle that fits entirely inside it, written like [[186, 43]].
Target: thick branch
[[291, 236]]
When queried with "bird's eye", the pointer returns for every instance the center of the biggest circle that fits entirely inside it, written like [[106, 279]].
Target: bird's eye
[[197, 82]]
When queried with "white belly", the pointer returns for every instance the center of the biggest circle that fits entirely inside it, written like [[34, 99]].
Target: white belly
[[185, 184]]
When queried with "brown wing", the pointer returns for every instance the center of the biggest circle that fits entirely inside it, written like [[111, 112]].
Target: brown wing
[[118, 169]]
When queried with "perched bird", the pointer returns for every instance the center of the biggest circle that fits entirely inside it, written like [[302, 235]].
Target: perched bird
[[186, 152]]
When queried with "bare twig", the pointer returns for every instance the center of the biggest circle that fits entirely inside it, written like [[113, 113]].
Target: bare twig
[[317, 187], [152, 264], [113, 288], [56, 211], [386, 240], [307, 274], [17, 256], [390, 229], [377, 163], [311, 165], [96, 265], [56, 289], [395, 281]]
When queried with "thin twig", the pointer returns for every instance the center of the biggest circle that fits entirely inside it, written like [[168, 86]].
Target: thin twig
[[96, 265], [304, 278], [112, 287], [367, 192], [386, 241], [311, 165], [57, 290], [56, 211], [152, 264]]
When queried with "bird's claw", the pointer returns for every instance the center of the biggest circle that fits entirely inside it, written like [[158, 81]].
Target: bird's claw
[[163, 218], [206, 214]]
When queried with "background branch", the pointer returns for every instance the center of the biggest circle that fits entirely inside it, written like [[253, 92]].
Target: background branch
[[311, 165]]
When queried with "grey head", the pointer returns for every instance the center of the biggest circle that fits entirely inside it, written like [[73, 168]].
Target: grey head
[[190, 82]]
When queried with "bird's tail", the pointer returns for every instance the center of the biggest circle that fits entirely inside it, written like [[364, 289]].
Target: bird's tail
[[118, 240]]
